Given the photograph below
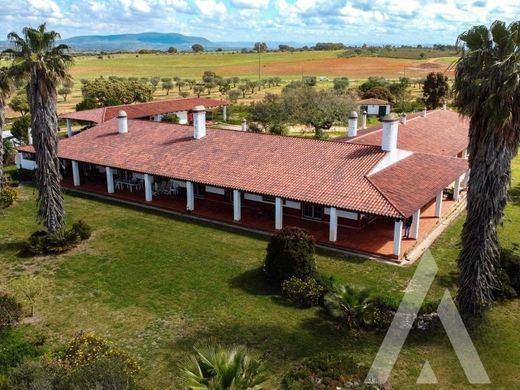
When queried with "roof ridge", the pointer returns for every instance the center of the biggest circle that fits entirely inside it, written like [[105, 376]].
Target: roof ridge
[[384, 196], [304, 139]]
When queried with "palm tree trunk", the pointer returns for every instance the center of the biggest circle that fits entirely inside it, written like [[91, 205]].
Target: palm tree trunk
[[42, 100], [2, 121], [490, 155]]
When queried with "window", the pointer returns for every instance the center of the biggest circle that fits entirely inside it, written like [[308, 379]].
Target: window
[[199, 190], [312, 211], [268, 198], [28, 156]]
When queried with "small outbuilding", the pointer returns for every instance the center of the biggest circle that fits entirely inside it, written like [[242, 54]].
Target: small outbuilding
[[377, 107]]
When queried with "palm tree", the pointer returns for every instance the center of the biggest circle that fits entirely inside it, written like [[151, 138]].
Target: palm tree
[[6, 87], [351, 307], [487, 90], [214, 367], [44, 64]]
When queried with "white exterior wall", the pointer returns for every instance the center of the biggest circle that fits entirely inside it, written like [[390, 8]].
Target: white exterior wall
[[373, 109], [183, 117], [343, 214], [215, 190], [237, 208], [22, 163]]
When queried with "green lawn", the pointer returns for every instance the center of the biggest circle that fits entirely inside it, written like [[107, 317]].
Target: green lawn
[[156, 285]]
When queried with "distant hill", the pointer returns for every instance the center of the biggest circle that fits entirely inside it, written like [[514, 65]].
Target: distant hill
[[131, 42]]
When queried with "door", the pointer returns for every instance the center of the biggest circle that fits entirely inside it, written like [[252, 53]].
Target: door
[[382, 110]]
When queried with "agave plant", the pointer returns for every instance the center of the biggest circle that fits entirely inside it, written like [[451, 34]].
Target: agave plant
[[350, 306], [214, 367]]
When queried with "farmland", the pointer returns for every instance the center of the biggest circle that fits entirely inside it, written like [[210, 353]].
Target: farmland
[[287, 65]]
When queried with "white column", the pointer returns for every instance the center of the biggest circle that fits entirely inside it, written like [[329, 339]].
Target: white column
[[416, 220], [236, 205], [75, 173], [456, 189], [148, 187], [466, 178], [278, 214], [190, 196], [438, 204], [333, 224], [69, 128], [110, 180], [398, 235], [224, 113]]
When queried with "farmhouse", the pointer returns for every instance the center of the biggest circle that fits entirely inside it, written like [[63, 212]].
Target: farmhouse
[[377, 107], [356, 193], [154, 110]]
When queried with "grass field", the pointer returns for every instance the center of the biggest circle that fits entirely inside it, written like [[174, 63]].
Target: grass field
[[157, 285], [288, 66]]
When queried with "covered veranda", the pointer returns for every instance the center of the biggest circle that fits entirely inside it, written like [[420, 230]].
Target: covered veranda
[[377, 238]]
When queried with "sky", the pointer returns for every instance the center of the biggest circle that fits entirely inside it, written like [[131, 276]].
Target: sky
[[305, 21]]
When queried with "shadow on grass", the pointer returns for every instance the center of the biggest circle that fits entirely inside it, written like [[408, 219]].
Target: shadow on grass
[[448, 280], [14, 246], [280, 343], [253, 282]]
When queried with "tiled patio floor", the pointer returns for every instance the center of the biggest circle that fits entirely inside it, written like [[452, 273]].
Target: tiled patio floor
[[375, 238]]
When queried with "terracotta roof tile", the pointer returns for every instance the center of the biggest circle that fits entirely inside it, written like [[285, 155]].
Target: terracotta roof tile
[[141, 110], [440, 132], [321, 172], [411, 182], [373, 101]]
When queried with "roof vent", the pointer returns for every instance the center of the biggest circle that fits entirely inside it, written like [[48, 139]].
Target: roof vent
[[122, 122], [424, 112], [403, 118], [364, 120], [352, 124], [244, 124], [199, 122], [390, 132]]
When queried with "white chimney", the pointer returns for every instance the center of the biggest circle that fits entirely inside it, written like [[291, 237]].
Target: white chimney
[[424, 112], [352, 124], [364, 120], [444, 106], [29, 136], [244, 124], [122, 122], [199, 122], [403, 118], [390, 132]]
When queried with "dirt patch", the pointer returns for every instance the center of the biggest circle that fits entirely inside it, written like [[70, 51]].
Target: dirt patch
[[355, 68]]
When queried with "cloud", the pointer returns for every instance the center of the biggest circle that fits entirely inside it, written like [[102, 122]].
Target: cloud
[[250, 4], [211, 8], [308, 21]]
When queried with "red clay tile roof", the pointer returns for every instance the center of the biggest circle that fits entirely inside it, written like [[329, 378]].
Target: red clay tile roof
[[329, 173], [413, 180], [141, 110], [321, 172], [373, 102], [440, 132]]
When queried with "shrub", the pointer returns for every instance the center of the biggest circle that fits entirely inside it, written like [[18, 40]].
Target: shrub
[[88, 362], [170, 118], [217, 367], [82, 229], [302, 293], [10, 310], [42, 242], [290, 253], [86, 348], [7, 196], [349, 306], [326, 371], [18, 345]]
